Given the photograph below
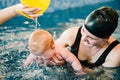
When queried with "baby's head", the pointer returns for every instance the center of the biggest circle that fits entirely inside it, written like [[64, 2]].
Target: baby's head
[[40, 42]]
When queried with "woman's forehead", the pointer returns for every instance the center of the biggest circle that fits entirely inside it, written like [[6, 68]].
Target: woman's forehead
[[90, 34]]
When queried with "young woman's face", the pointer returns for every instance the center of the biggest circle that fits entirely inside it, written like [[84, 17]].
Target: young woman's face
[[89, 39]]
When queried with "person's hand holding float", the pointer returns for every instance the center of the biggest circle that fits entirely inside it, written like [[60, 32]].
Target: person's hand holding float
[[28, 12], [32, 9]]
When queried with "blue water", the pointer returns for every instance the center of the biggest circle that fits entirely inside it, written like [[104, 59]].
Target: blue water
[[14, 36], [54, 15]]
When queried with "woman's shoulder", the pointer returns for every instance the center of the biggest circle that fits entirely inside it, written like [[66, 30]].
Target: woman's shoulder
[[74, 28], [113, 58], [69, 35], [71, 30], [117, 47]]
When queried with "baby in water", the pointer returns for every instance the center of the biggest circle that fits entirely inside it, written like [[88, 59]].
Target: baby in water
[[44, 50]]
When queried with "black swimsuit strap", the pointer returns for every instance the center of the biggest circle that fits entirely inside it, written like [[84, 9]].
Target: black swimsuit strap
[[75, 46], [102, 58]]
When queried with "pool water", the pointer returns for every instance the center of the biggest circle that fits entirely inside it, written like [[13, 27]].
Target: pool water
[[13, 53], [14, 36], [14, 50]]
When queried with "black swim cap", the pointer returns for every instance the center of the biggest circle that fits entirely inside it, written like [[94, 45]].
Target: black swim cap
[[102, 22]]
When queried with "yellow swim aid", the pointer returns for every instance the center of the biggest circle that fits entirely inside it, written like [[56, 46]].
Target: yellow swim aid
[[43, 4]]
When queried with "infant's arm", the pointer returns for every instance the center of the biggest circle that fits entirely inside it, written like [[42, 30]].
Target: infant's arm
[[69, 57], [30, 59]]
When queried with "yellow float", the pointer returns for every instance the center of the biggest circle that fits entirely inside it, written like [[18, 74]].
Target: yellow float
[[43, 4]]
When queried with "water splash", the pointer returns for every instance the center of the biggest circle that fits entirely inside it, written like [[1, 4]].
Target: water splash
[[3, 44], [37, 24]]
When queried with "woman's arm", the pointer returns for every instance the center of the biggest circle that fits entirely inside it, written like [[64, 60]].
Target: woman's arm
[[10, 12], [7, 13]]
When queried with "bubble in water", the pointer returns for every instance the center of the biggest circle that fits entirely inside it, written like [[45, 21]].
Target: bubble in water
[[26, 22], [54, 35]]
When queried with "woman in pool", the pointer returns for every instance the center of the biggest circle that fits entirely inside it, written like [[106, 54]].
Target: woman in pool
[[92, 43], [9, 12]]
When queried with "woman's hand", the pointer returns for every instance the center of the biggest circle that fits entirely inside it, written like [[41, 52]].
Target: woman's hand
[[28, 11]]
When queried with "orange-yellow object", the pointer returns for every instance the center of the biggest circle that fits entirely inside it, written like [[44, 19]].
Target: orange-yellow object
[[43, 4]]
